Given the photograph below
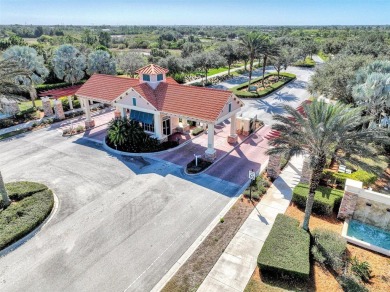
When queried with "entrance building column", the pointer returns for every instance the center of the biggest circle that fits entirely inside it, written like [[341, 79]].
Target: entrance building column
[[232, 138], [157, 125], [117, 112], [70, 102], [89, 122], [210, 153]]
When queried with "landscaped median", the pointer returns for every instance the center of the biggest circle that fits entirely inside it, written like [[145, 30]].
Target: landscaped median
[[242, 89], [31, 204]]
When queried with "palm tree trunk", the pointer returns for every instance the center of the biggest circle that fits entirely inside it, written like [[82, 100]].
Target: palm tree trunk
[[250, 72], [4, 194], [264, 65], [314, 182]]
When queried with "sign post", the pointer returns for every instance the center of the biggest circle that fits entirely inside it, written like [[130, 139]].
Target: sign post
[[252, 177]]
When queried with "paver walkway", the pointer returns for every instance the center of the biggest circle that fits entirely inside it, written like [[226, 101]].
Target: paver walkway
[[236, 265]]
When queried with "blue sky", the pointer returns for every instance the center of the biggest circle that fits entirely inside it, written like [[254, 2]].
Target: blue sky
[[196, 12]]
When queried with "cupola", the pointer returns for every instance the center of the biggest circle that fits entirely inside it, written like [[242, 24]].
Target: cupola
[[152, 75]]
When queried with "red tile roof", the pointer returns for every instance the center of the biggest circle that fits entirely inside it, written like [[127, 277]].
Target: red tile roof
[[152, 69], [189, 101], [60, 92], [106, 87], [169, 97]]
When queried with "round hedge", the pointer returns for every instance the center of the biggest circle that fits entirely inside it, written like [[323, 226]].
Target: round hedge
[[31, 204]]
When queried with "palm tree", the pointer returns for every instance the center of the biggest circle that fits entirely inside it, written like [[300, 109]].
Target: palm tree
[[268, 49], [9, 72], [319, 131], [374, 93], [4, 194], [252, 43]]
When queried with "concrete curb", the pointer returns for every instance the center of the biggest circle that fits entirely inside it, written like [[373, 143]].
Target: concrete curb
[[30, 235], [223, 156]]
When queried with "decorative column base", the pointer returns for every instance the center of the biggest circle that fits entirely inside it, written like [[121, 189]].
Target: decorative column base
[[47, 109], [89, 124], [117, 114], [232, 139], [210, 155], [273, 168], [245, 133], [59, 110]]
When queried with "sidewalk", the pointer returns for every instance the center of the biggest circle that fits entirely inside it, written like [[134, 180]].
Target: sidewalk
[[236, 265]]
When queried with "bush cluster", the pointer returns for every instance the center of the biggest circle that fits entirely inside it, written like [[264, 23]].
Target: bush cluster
[[43, 87], [326, 200], [329, 248], [22, 217], [286, 250], [259, 188], [240, 92], [360, 175], [127, 135], [197, 131], [19, 190], [351, 284]]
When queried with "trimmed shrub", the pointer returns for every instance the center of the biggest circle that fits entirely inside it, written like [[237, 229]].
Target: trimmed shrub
[[365, 177], [326, 200], [329, 248], [351, 284], [286, 250], [197, 131], [21, 218], [43, 87]]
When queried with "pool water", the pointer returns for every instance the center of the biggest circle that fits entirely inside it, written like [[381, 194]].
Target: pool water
[[368, 233]]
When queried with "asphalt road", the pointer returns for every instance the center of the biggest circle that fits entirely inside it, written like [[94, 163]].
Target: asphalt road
[[121, 224], [292, 94]]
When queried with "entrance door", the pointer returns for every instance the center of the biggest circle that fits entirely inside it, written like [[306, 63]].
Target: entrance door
[[167, 127]]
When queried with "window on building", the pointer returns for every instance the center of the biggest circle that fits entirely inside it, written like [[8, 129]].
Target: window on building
[[146, 77], [230, 107], [160, 77], [148, 127], [134, 101]]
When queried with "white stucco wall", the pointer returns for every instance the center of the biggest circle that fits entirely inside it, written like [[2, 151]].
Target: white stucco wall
[[236, 106], [142, 103]]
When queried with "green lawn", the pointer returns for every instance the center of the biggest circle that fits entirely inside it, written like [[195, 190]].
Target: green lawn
[[32, 203], [28, 104]]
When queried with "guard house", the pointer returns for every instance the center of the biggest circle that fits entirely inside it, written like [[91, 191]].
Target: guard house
[[158, 102]]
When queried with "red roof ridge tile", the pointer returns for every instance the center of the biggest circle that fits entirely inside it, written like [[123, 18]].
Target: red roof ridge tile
[[152, 69]]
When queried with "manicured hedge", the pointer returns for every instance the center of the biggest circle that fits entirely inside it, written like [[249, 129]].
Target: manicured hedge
[[286, 251], [326, 200], [245, 94], [197, 131], [359, 175], [23, 216], [43, 87], [329, 248]]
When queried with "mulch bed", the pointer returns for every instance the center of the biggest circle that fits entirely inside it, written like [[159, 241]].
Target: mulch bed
[[191, 275], [320, 278]]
